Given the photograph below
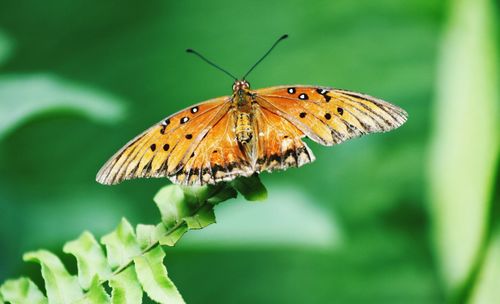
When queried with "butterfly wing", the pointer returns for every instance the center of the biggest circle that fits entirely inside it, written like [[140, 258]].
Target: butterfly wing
[[164, 149], [331, 116], [278, 143]]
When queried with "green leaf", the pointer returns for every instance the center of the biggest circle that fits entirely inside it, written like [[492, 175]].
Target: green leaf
[[226, 193], [47, 94], [96, 294], [172, 238], [250, 187], [121, 244], [204, 217], [22, 291], [172, 204], [193, 195], [60, 285], [196, 195], [154, 277], [126, 287], [90, 259], [465, 147], [149, 234]]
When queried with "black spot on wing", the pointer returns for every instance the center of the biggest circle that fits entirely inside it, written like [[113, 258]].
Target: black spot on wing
[[323, 93], [164, 125]]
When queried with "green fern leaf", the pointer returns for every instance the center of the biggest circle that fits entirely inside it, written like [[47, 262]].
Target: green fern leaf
[[22, 291], [251, 188], [154, 277], [95, 295], [121, 245], [196, 195], [204, 217], [225, 193], [126, 287], [133, 262], [90, 259], [172, 204], [149, 234], [171, 238], [60, 285]]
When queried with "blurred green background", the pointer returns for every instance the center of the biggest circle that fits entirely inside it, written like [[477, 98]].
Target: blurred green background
[[410, 216]]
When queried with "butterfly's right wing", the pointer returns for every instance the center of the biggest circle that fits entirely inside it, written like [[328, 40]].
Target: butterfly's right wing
[[164, 149]]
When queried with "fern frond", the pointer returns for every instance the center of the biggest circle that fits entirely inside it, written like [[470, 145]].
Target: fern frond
[[132, 262]]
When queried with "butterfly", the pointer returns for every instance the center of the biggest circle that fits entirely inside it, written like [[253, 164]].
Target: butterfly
[[248, 132]]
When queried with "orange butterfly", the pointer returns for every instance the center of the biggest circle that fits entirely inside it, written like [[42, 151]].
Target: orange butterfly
[[248, 132]]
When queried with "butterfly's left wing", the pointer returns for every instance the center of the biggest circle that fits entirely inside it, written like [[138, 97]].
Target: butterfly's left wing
[[330, 116]]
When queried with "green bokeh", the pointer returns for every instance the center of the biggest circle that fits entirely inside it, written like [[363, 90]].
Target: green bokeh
[[129, 57]]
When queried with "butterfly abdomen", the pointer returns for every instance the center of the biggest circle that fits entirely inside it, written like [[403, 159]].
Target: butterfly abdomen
[[243, 127]]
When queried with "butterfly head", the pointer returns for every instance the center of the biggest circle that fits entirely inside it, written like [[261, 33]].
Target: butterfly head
[[240, 85]]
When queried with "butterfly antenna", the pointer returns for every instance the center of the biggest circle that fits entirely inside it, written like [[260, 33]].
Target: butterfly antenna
[[211, 63], [265, 55]]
